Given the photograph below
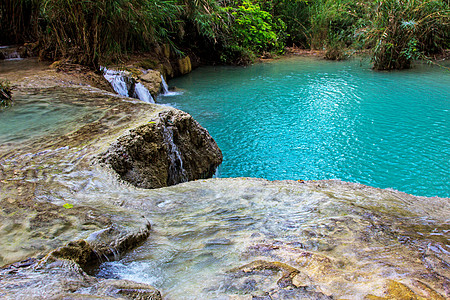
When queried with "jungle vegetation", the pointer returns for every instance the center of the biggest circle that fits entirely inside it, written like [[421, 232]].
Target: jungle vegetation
[[88, 32]]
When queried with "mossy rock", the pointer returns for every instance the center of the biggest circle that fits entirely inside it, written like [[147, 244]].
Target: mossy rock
[[148, 64]]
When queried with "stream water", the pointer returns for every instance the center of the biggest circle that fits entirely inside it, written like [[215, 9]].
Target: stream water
[[311, 119]]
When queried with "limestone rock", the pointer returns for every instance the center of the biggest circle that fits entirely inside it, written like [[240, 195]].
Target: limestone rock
[[184, 65], [64, 279], [152, 81], [117, 239], [171, 149]]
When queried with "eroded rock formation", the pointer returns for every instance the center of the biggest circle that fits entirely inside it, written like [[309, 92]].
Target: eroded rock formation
[[169, 149]]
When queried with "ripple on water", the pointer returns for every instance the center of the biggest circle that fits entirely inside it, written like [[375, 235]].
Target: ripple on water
[[341, 240], [311, 119]]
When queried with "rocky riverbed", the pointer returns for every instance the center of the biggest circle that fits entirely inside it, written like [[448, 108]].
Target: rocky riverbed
[[75, 196]]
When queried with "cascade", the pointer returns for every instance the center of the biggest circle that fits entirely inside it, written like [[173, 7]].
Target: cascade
[[13, 56], [141, 92], [127, 86], [117, 81], [176, 170], [9, 53], [165, 89]]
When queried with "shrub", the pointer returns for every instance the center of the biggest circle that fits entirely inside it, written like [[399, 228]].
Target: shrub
[[404, 30], [252, 31], [333, 20], [87, 30]]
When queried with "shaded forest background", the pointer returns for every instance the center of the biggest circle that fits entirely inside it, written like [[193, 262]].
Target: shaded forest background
[[92, 32]]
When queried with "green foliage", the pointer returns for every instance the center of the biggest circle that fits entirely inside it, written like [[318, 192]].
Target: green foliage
[[233, 31], [295, 14], [335, 49], [5, 94], [334, 20], [404, 30], [87, 30], [250, 31], [253, 27]]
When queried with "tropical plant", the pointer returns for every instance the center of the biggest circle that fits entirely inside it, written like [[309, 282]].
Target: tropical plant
[[252, 31], [404, 30], [334, 20], [90, 31], [87, 30]]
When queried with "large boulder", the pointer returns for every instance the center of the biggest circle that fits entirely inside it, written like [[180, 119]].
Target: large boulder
[[152, 81], [184, 65], [170, 149]]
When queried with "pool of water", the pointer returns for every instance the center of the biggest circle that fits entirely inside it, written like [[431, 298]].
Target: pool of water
[[41, 113], [310, 119]]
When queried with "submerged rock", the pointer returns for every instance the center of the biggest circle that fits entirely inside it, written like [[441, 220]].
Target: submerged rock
[[255, 239]]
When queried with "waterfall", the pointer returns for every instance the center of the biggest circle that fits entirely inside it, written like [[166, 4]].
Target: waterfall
[[117, 81], [165, 89], [13, 56], [177, 174], [142, 93], [126, 85]]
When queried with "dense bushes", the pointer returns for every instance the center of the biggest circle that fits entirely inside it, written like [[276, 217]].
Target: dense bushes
[[231, 31], [88, 30], [404, 30]]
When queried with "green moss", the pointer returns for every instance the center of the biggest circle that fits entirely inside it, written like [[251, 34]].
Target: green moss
[[148, 64]]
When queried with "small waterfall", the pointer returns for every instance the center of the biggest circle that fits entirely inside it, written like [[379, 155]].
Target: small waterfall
[[127, 86], [142, 93], [165, 89], [117, 80], [14, 55], [177, 174]]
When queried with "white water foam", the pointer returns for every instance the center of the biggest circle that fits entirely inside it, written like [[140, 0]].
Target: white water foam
[[142, 93], [13, 56], [176, 170], [117, 81], [127, 86], [165, 89]]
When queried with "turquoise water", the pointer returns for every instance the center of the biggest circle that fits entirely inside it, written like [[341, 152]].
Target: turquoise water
[[309, 119], [43, 113]]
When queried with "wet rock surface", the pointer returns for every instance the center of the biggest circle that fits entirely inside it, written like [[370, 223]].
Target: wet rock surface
[[50, 209], [152, 81], [254, 239], [64, 279]]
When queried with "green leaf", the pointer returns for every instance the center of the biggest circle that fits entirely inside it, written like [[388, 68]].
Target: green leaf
[[68, 206]]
